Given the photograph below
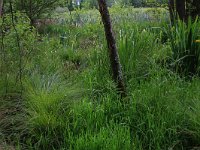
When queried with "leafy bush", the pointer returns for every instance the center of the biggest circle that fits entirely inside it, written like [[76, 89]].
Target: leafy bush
[[33, 9], [18, 42]]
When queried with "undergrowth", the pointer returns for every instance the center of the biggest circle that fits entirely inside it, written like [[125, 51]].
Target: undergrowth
[[69, 100]]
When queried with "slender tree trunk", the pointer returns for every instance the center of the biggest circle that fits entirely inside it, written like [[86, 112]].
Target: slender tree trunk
[[171, 10], [113, 53], [181, 9], [1, 8]]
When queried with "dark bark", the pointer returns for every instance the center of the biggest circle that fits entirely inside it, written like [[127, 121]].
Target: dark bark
[[113, 53], [171, 10], [181, 9], [1, 8], [193, 9]]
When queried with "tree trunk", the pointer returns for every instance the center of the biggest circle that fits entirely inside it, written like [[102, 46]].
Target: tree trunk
[[113, 53], [181, 9], [171, 10], [1, 8]]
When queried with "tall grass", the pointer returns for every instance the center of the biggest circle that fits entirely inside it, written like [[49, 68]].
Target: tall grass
[[186, 52], [65, 107]]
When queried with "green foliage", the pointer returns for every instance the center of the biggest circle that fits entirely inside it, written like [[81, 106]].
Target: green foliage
[[136, 47], [65, 106], [141, 3], [186, 51], [88, 4], [193, 8], [33, 9], [113, 137], [18, 42]]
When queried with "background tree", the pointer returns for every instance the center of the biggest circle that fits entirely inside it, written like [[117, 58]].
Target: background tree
[[70, 5], [193, 8], [177, 9], [1, 7], [171, 5], [35, 8], [113, 53], [184, 9], [181, 9]]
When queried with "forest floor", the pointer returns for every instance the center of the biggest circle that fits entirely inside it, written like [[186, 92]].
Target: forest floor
[[69, 100]]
